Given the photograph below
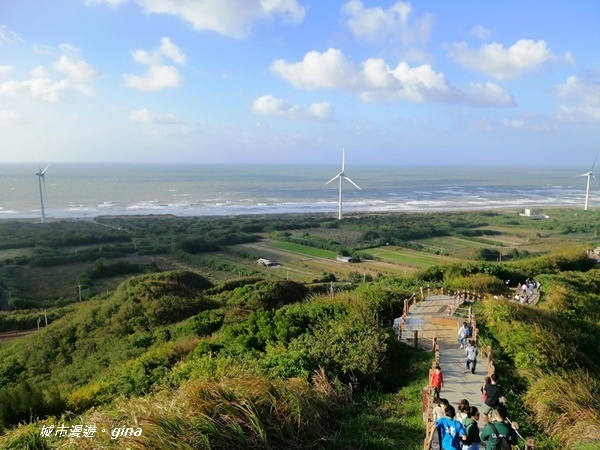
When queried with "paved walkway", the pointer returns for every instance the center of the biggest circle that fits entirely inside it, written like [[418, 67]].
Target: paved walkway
[[430, 319]]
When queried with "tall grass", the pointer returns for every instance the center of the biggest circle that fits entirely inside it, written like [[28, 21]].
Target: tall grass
[[565, 404]]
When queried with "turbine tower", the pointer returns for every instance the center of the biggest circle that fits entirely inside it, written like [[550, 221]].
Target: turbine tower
[[42, 179], [589, 175], [341, 176]]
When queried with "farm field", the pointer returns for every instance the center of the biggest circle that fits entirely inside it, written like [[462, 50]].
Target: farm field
[[406, 257], [302, 249]]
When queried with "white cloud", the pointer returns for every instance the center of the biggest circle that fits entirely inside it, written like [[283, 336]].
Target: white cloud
[[374, 80], [480, 32], [487, 94], [75, 69], [583, 97], [9, 37], [39, 72], [503, 63], [269, 105], [159, 75], [144, 115], [170, 50], [234, 18], [321, 110], [156, 78], [376, 24], [44, 87], [5, 69], [580, 91]]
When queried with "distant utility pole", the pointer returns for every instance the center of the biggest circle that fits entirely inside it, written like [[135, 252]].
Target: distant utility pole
[[39, 320], [79, 287], [45, 318]]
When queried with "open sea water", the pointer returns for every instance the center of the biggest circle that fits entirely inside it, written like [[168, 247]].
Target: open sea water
[[91, 190]]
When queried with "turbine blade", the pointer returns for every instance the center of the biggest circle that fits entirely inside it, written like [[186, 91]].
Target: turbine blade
[[584, 175], [348, 179], [44, 171], [594, 162], [343, 159], [334, 178]]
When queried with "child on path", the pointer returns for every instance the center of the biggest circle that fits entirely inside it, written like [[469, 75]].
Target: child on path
[[472, 351], [453, 432], [437, 382], [463, 410]]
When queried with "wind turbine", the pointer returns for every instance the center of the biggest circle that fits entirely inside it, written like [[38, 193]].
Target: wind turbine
[[589, 175], [341, 176], [42, 179]]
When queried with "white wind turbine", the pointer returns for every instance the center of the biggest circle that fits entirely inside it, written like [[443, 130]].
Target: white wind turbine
[[341, 176], [589, 175], [41, 179]]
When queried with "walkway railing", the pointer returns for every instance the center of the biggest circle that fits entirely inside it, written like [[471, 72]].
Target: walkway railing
[[466, 312]]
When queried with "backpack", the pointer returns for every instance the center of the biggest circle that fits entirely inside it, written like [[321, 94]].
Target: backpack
[[501, 440]]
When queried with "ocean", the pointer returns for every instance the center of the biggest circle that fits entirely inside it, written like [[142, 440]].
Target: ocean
[[90, 190]]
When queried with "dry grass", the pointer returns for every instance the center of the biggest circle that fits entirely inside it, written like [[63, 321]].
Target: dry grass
[[566, 406], [250, 411]]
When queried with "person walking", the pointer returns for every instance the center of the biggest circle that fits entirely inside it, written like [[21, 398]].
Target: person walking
[[463, 334], [453, 432], [437, 382], [473, 439], [472, 351], [494, 396], [499, 429]]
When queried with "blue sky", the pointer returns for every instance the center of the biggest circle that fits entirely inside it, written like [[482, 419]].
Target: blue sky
[[294, 81]]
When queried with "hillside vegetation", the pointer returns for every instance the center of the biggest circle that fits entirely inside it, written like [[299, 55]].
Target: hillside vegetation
[[181, 335]]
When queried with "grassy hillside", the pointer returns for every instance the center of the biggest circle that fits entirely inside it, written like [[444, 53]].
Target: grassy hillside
[[180, 332]]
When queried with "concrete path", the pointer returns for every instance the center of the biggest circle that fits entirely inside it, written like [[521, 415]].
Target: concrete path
[[430, 318]]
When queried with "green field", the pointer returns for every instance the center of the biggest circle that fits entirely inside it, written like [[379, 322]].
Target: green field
[[303, 249]]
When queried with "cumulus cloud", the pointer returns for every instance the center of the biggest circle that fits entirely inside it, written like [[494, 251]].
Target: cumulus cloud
[[374, 80], [583, 97], [144, 115], [159, 75], [68, 74], [269, 105], [503, 63], [233, 18], [75, 69], [5, 69], [377, 24]]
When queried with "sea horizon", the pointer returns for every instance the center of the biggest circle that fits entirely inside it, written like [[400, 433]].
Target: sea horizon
[[88, 190]]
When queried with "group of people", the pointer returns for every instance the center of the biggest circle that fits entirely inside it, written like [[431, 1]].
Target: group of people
[[457, 428], [461, 431], [524, 291]]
